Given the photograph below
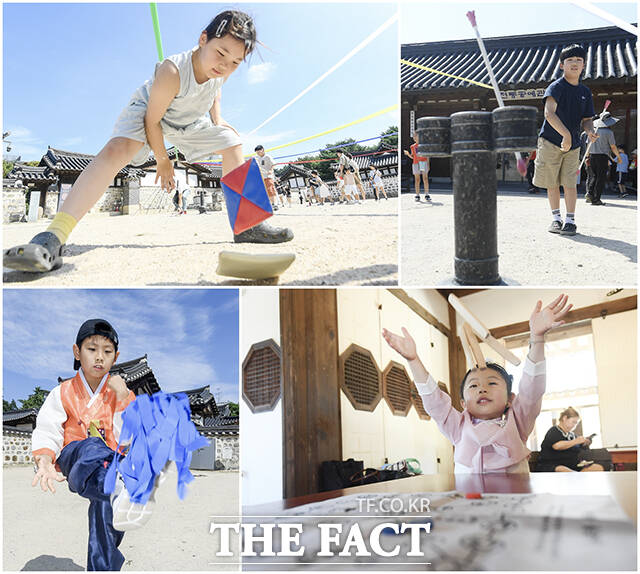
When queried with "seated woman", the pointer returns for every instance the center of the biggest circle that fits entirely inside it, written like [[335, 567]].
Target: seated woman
[[560, 450]]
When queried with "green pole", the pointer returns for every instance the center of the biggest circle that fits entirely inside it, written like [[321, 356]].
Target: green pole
[[156, 30]]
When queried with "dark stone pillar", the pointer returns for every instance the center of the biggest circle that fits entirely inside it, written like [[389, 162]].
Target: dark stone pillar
[[472, 139], [474, 199]]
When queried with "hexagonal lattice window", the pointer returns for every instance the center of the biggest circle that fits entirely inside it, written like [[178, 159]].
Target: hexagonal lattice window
[[417, 403], [360, 378], [396, 388], [262, 376]]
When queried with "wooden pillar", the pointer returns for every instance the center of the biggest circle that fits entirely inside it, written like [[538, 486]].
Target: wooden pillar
[[312, 430]]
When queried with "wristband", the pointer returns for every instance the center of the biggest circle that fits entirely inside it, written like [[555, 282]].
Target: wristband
[[533, 339]]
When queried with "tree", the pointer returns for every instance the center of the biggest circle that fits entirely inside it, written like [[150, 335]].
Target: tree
[[7, 166], [35, 399], [9, 406], [390, 140], [234, 410]]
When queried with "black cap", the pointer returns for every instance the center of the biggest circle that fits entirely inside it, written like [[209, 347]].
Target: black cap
[[95, 327]]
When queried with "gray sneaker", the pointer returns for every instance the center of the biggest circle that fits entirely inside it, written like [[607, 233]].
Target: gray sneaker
[[42, 254], [555, 227], [264, 233], [569, 229]]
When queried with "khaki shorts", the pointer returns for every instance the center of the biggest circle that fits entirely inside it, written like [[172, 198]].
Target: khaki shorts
[[554, 167]]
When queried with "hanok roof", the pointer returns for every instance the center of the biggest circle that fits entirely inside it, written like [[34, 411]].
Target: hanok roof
[[33, 174], [60, 161], [11, 182], [374, 158], [220, 425], [292, 169], [14, 418], [204, 171], [202, 402], [139, 376], [520, 61]]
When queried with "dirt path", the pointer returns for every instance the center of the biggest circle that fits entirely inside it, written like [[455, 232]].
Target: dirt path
[[334, 245], [603, 253], [44, 531]]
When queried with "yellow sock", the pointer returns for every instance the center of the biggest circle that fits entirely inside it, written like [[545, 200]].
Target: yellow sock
[[62, 226]]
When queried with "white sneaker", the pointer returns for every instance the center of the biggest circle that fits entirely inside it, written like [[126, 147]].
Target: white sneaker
[[128, 515]]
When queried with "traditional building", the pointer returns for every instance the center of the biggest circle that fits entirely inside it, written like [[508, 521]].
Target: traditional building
[[217, 425], [133, 187], [524, 66], [384, 157]]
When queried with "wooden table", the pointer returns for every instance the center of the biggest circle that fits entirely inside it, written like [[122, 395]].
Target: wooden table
[[620, 485]]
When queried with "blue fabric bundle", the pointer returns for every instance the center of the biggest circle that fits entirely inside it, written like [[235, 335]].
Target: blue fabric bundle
[[160, 429]]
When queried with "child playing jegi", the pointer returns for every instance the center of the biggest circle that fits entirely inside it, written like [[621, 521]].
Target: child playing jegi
[[489, 435], [180, 103], [77, 431]]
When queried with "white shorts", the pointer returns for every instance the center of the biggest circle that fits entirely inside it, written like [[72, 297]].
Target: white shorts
[[420, 167], [350, 189], [195, 141], [323, 191]]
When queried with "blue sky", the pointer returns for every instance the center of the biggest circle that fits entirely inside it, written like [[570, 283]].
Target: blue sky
[[438, 22], [189, 335], [69, 69]]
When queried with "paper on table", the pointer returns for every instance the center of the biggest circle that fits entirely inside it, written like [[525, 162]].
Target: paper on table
[[495, 532]]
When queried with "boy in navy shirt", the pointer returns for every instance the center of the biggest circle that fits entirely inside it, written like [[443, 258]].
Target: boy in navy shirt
[[568, 108]]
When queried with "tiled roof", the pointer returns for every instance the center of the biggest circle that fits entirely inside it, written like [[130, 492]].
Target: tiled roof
[[204, 171], [21, 416], [221, 421], [202, 401], [379, 160], [140, 377], [292, 169], [522, 61], [67, 161], [31, 173], [11, 182]]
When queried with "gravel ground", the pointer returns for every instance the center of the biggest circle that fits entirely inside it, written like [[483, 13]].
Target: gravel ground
[[603, 252], [44, 531], [334, 245]]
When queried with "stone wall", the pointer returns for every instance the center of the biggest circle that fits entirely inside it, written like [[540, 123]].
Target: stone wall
[[111, 201], [51, 204], [16, 447], [14, 205], [227, 453]]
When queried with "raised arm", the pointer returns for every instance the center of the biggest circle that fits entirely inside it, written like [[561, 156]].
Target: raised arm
[[526, 406], [436, 402]]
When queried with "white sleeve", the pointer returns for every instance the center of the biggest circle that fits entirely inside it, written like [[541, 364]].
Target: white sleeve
[[49, 432], [427, 387]]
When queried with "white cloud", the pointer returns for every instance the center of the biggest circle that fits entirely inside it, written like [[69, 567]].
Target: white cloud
[[260, 73], [40, 327], [26, 144], [250, 142]]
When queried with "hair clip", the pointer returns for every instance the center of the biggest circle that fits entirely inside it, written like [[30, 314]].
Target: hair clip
[[221, 28]]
